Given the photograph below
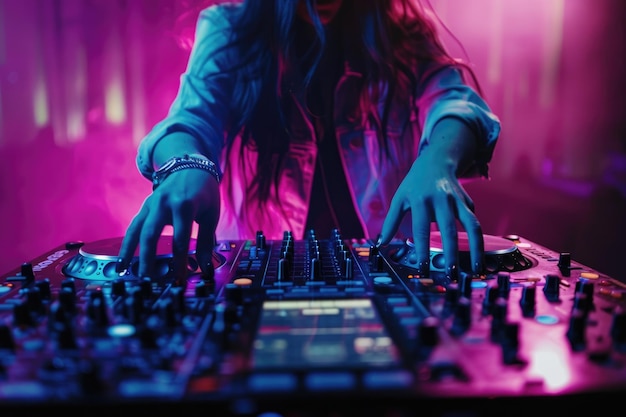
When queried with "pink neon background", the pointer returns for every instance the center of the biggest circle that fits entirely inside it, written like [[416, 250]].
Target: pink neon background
[[552, 70]]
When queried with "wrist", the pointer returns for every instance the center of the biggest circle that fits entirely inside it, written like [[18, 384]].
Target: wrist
[[188, 161], [175, 144], [455, 143]]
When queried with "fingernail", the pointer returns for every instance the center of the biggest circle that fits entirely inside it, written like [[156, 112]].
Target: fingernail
[[379, 241]]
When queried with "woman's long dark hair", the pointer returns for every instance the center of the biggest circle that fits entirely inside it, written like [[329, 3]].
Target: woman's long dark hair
[[391, 38]]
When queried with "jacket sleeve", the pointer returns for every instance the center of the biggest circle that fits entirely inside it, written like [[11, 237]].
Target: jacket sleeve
[[444, 93], [201, 105]]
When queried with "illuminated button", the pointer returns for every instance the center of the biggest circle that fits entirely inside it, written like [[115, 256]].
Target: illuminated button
[[324, 381], [411, 322], [24, 390], [397, 301], [385, 280], [242, 282], [589, 275], [546, 319], [478, 284], [349, 283], [272, 382], [387, 379], [4, 289], [121, 330], [403, 310]]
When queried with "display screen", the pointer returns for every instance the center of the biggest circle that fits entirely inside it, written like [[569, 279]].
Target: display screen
[[322, 333]]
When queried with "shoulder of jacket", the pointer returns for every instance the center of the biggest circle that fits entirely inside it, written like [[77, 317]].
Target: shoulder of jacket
[[220, 10]]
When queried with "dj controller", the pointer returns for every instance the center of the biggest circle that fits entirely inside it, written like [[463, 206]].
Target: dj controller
[[333, 326]]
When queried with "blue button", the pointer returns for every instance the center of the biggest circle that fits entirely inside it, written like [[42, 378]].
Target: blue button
[[272, 382], [324, 381], [387, 379]]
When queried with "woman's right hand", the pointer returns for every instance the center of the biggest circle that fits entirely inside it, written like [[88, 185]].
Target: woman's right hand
[[184, 196]]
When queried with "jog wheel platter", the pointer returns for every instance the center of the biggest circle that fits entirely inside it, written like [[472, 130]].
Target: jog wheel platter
[[501, 255], [97, 261]]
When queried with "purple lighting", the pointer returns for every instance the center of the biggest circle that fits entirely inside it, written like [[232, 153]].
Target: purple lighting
[[82, 82]]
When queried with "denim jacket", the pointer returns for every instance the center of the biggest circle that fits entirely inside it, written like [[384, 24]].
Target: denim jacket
[[201, 108]]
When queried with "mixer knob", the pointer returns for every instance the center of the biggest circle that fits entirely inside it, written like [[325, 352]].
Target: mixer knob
[[58, 314], [374, 250], [22, 315], [576, 329], [67, 300], [167, 313], [510, 344], [148, 336], [7, 342], [466, 285], [177, 294], [44, 288], [315, 272], [69, 283], [428, 335], [34, 302], [504, 284], [65, 336], [451, 298], [260, 240], [528, 300], [618, 329], [283, 267], [565, 263], [552, 288], [97, 310], [203, 289], [586, 287], [498, 319], [145, 286], [491, 294], [26, 271], [462, 316], [377, 263], [118, 287], [133, 307], [349, 269], [581, 302]]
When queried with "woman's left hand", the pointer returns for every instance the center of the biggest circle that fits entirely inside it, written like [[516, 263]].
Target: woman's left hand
[[431, 192]]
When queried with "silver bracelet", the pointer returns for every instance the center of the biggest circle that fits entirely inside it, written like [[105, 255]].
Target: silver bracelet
[[188, 161]]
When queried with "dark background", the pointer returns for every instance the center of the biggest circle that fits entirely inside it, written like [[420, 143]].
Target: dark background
[[81, 81]]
